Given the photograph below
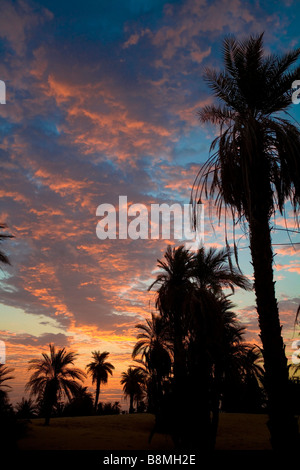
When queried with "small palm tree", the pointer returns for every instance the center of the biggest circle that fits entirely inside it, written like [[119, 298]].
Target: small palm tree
[[99, 370], [133, 381], [53, 378], [82, 403], [26, 408]]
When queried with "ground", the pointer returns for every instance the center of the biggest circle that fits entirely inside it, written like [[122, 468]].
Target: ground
[[131, 432]]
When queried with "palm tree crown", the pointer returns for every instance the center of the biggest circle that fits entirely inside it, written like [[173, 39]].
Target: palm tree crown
[[53, 377], [4, 376], [213, 272], [256, 147]]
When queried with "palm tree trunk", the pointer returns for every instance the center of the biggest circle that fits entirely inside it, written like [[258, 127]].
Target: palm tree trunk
[[131, 409], [181, 421], [48, 416], [97, 395], [216, 396], [282, 424], [49, 399]]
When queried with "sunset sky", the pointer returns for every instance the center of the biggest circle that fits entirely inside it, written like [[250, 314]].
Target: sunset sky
[[101, 101]]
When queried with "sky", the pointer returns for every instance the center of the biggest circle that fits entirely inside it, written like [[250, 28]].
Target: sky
[[101, 101]]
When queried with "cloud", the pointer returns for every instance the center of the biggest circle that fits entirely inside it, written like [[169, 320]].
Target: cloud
[[135, 38], [293, 267], [17, 20]]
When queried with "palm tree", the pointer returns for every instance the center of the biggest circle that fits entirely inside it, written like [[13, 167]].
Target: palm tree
[[174, 299], [155, 349], [3, 236], [189, 288], [82, 403], [213, 271], [53, 378], [254, 169], [133, 381], [4, 377], [174, 302], [243, 379], [154, 345], [99, 370], [26, 409]]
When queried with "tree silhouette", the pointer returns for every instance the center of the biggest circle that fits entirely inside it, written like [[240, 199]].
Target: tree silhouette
[[191, 301], [81, 403], [213, 272], [26, 409], [174, 301], [99, 370], [3, 236], [133, 383], [242, 389], [253, 170], [53, 378], [4, 377], [154, 346]]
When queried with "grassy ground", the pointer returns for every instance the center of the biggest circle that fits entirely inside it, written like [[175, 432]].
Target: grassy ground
[[131, 432]]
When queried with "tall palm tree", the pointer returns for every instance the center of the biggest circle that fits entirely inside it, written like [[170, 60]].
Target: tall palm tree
[[53, 377], [174, 301], [174, 298], [99, 370], [133, 381], [188, 298], [253, 170]]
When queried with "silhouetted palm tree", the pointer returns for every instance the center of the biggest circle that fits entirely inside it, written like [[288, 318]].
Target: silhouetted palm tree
[[53, 378], [81, 403], [253, 171], [26, 408], [99, 370], [174, 300], [3, 236], [213, 271], [133, 381], [4, 376], [154, 345], [243, 379], [188, 298]]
